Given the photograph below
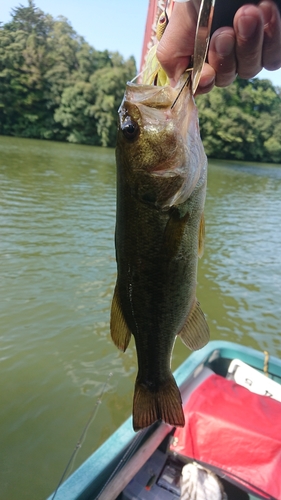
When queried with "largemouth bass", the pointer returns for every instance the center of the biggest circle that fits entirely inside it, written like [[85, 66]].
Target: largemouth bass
[[161, 185]]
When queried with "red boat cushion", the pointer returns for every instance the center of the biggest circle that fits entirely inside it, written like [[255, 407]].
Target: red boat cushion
[[235, 431]]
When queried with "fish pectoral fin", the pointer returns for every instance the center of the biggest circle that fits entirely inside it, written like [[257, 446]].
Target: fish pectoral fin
[[195, 333], [174, 231], [162, 404], [119, 330], [201, 236]]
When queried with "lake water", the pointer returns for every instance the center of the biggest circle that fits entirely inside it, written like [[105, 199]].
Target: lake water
[[57, 268]]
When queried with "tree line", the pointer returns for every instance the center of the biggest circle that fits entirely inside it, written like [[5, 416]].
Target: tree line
[[242, 121], [54, 85]]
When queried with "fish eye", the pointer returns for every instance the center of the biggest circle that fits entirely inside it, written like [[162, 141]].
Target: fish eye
[[130, 128]]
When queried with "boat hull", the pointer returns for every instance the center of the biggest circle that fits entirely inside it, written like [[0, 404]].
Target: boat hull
[[91, 477]]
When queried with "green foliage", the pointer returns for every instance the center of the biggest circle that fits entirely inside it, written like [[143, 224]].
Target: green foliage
[[54, 85], [242, 121]]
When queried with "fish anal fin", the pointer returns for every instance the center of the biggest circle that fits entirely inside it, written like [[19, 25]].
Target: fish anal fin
[[201, 237], [162, 404], [119, 330], [195, 332]]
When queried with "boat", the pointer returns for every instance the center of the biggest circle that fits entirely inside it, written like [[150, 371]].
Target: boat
[[232, 403]]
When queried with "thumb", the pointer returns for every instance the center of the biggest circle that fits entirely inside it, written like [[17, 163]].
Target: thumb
[[177, 44]]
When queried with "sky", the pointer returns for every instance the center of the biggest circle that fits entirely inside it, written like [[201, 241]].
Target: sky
[[115, 25]]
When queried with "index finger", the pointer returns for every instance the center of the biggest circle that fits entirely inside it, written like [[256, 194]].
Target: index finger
[[177, 44]]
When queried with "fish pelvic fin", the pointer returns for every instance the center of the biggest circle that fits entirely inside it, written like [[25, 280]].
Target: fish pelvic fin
[[195, 332], [119, 330], [165, 404]]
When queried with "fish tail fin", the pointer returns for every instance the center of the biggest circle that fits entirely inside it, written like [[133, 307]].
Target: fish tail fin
[[162, 404]]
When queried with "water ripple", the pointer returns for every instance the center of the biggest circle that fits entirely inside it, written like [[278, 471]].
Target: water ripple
[[57, 275]]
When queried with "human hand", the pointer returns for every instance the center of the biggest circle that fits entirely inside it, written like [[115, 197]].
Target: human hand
[[252, 43]]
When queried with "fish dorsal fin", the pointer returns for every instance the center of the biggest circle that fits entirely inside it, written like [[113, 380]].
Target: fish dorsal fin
[[201, 236], [195, 332], [119, 330]]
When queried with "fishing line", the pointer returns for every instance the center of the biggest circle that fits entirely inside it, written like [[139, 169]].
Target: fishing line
[[137, 76], [185, 84], [83, 435]]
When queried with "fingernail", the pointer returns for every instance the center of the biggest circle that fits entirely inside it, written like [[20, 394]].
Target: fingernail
[[224, 44], [266, 12], [206, 81], [247, 26]]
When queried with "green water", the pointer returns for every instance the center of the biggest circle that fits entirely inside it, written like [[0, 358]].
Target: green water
[[57, 269]]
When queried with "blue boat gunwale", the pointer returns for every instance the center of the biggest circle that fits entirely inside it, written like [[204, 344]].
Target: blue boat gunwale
[[88, 479]]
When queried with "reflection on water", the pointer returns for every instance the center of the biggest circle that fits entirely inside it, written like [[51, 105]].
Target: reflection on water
[[57, 269]]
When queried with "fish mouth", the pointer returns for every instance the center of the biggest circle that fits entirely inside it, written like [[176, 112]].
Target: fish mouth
[[150, 95]]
